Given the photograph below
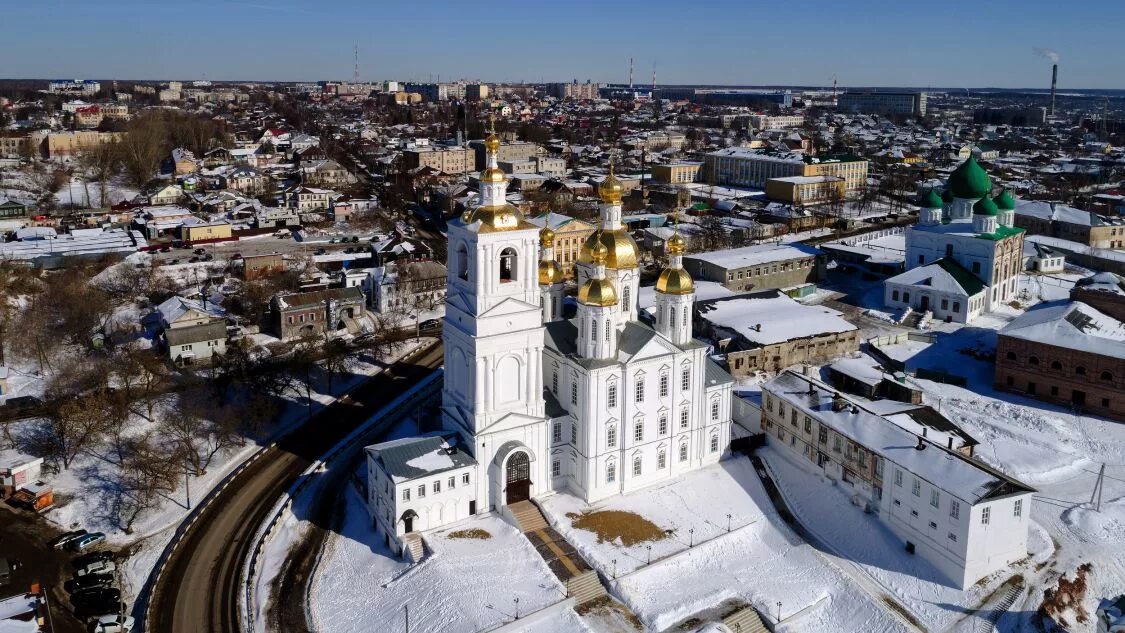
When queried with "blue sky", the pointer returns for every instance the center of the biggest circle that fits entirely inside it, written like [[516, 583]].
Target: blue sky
[[951, 43]]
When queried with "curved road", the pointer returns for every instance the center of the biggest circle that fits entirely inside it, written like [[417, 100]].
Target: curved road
[[199, 589]]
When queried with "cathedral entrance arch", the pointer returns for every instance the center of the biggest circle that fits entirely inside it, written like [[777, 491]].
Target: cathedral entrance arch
[[517, 478]]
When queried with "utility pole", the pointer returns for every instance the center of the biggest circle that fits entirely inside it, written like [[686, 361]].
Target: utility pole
[[406, 609], [1099, 485]]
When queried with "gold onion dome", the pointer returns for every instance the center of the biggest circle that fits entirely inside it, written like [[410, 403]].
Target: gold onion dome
[[504, 217], [676, 245], [622, 250], [546, 238], [549, 272], [674, 281], [611, 190], [493, 175], [492, 143], [597, 292]]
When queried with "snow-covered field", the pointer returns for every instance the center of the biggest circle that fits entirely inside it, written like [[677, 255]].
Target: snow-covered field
[[760, 561], [87, 195], [465, 585]]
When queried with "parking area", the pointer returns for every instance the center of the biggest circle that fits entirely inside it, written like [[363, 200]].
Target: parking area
[[23, 538]]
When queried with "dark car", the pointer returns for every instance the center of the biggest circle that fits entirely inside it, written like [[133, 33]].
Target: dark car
[[208, 257], [93, 557], [91, 581], [166, 250], [430, 324], [99, 609], [355, 238], [193, 260], [95, 601], [199, 251], [61, 540]]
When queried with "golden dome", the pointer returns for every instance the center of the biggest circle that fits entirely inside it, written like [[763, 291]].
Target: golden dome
[[492, 143], [598, 254], [549, 272], [674, 281], [546, 238], [503, 217], [611, 190], [597, 292], [493, 175], [675, 245], [622, 249]]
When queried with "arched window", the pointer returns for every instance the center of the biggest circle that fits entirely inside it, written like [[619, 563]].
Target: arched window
[[1107, 376], [610, 473], [637, 466], [715, 443], [625, 297], [661, 460], [683, 452], [508, 265], [1011, 355], [607, 329], [1033, 360], [1080, 370], [611, 436], [1056, 365], [461, 262], [593, 330], [672, 321]]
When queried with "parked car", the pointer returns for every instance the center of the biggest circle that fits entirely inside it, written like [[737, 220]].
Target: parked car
[[112, 624], [103, 567], [95, 596], [74, 585], [61, 540], [193, 260], [85, 542], [208, 257], [355, 238], [99, 610], [430, 324], [200, 251], [321, 251], [92, 557]]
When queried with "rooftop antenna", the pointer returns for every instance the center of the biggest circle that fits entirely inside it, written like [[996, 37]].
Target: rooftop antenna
[[654, 77], [833, 86]]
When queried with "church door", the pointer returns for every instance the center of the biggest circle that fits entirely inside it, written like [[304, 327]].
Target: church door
[[925, 303], [518, 478]]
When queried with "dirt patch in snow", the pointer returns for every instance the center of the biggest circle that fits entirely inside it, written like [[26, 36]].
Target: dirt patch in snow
[[618, 526], [1066, 600], [473, 533]]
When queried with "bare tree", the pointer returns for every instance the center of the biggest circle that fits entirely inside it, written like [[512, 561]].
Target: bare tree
[[103, 162], [71, 429], [197, 432], [338, 358], [146, 475]]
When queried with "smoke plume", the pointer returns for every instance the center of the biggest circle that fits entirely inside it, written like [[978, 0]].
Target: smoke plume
[[1048, 53]]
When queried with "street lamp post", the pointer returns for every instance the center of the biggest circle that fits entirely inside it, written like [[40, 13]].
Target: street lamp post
[[649, 548], [614, 561], [691, 538]]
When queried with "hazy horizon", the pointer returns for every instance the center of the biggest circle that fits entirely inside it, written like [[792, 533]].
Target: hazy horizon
[[881, 44]]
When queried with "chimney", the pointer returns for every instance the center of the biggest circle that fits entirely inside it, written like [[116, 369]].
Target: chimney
[[950, 442], [839, 403], [921, 445], [1054, 80], [925, 431]]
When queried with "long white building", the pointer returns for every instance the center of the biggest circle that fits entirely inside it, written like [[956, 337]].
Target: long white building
[[964, 517], [596, 405]]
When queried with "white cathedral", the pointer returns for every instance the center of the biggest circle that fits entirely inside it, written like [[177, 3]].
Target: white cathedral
[[534, 403], [964, 255]]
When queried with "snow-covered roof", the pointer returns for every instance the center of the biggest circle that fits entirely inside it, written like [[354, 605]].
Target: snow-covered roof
[[1071, 325], [771, 317], [756, 255], [961, 477], [944, 275], [1103, 282], [413, 457]]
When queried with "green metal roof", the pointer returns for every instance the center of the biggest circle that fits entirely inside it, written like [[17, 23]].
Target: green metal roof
[[1001, 233], [1004, 201], [967, 280], [984, 206], [970, 180], [930, 201]]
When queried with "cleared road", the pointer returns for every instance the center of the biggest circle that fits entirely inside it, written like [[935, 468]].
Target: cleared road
[[199, 589]]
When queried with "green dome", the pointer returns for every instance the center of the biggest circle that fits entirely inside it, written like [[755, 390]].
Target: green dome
[[930, 200], [984, 206], [947, 195], [1004, 201], [970, 180]]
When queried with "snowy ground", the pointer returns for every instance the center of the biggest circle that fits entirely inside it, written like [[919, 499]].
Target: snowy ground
[[87, 195], [760, 561], [464, 585]]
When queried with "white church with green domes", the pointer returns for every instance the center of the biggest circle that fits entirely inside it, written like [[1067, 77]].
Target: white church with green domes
[[964, 255]]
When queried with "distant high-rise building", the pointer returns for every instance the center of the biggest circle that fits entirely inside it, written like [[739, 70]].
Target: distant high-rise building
[[476, 92], [74, 87], [574, 90], [871, 102]]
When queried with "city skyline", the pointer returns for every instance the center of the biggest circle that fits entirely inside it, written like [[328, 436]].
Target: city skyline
[[995, 46]]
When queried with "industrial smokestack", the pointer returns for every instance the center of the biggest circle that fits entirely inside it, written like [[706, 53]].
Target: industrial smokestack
[[1054, 80]]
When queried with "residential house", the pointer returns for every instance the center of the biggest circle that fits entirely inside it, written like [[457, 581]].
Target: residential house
[[406, 287], [196, 343], [166, 194], [299, 314]]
